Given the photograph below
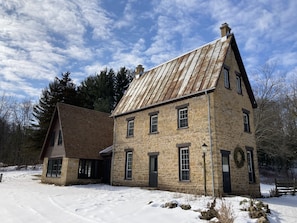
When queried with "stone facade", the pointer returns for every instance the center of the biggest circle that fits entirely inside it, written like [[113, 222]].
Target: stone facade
[[214, 118], [69, 174]]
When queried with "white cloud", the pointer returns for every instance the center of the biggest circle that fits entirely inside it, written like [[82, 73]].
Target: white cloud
[[41, 39]]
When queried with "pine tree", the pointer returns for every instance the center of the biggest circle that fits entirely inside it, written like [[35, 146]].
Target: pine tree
[[122, 81], [60, 90]]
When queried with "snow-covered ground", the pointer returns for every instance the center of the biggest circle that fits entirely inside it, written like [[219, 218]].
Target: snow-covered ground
[[24, 199]]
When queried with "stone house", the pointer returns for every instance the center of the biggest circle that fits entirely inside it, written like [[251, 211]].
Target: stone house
[[71, 148], [168, 112]]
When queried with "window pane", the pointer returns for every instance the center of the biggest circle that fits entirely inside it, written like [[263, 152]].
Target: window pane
[[184, 164], [60, 138], [238, 84], [52, 139], [130, 131], [183, 117], [88, 169], [129, 165], [54, 168], [250, 167], [226, 78], [246, 122], [154, 123]]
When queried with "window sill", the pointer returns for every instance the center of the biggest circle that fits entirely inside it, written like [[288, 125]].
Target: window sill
[[184, 181], [183, 128], [129, 137], [252, 182], [153, 133]]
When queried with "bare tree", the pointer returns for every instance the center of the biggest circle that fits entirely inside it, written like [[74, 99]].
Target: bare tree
[[268, 88]]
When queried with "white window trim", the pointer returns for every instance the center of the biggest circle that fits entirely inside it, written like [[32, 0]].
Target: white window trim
[[182, 164], [130, 128], [226, 78], [154, 123], [182, 119], [129, 160], [238, 84]]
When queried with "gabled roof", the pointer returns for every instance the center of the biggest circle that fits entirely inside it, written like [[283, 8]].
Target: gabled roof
[[85, 132], [185, 76]]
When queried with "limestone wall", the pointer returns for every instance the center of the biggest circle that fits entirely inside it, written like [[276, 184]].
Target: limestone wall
[[226, 121], [165, 142]]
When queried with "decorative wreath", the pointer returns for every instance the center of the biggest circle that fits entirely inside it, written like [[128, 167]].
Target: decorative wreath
[[239, 157]]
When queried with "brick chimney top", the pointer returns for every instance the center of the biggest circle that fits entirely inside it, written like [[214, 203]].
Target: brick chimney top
[[225, 30]]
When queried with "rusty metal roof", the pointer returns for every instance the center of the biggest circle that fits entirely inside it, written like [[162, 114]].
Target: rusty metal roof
[[183, 76]]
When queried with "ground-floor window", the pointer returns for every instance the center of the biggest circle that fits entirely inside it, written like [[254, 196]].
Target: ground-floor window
[[89, 169], [184, 164], [128, 169], [250, 164], [54, 167]]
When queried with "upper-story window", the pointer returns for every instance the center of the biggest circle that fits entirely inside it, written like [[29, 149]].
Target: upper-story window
[[60, 140], [182, 116], [226, 78], [130, 127], [153, 122], [246, 121], [52, 138], [238, 84]]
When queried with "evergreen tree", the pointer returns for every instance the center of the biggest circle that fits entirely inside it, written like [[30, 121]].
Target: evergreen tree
[[122, 81], [60, 90], [103, 91], [88, 92]]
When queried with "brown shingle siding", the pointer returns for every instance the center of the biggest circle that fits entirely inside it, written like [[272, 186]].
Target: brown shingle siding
[[85, 132]]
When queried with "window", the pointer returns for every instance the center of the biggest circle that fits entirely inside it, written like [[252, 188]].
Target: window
[[182, 116], [130, 127], [246, 121], [54, 167], [238, 84], [52, 139], [226, 78], [60, 138], [128, 172], [250, 165], [184, 165], [154, 123], [88, 169]]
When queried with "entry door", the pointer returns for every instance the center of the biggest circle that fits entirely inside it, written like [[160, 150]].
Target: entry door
[[226, 172], [153, 174]]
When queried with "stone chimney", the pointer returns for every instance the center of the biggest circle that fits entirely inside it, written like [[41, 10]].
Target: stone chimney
[[139, 71], [225, 30]]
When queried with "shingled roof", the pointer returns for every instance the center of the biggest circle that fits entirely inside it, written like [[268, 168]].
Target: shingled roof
[[190, 74], [85, 132]]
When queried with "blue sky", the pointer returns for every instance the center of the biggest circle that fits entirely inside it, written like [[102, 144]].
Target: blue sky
[[40, 39]]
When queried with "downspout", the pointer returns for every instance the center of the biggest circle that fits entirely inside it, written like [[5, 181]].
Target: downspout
[[113, 150], [210, 142]]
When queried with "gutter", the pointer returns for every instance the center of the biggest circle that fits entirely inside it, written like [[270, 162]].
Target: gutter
[[210, 142], [113, 151]]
